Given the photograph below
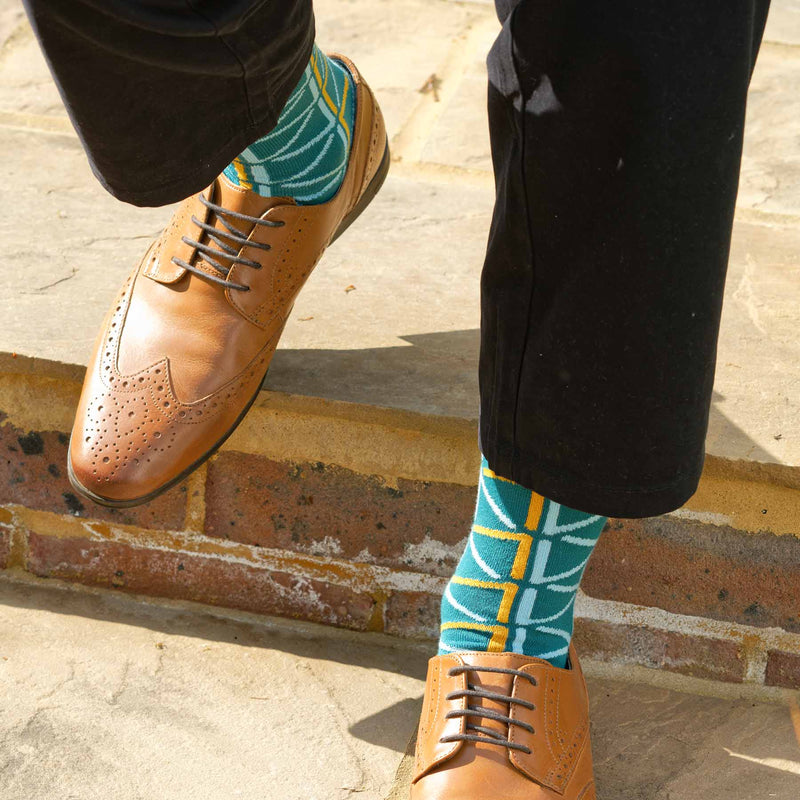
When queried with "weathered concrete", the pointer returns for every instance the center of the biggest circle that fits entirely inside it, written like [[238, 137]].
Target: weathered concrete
[[104, 696]]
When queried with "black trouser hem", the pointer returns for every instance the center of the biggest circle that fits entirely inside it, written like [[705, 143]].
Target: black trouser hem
[[191, 182], [575, 492], [164, 95]]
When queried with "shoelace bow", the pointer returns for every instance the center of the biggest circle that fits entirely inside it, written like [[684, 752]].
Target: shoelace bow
[[490, 736], [206, 252]]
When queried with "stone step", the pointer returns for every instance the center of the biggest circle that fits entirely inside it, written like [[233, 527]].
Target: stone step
[[356, 515]]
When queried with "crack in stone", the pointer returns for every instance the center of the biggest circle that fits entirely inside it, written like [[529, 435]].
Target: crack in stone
[[92, 240], [365, 775], [123, 684], [59, 685], [47, 286]]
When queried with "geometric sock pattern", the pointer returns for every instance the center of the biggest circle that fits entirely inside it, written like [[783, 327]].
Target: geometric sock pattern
[[305, 155], [515, 586]]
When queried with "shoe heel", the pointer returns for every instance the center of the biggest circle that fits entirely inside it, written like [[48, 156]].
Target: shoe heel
[[368, 196]]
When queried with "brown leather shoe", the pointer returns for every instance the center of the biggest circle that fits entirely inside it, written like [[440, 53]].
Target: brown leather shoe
[[501, 726], [186, 345]]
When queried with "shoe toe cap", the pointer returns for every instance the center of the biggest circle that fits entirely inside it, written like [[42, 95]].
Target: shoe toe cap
[[133, 438], [120, 440]]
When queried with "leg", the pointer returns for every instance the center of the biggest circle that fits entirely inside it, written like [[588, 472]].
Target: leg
[[616, 137], [180, 90]]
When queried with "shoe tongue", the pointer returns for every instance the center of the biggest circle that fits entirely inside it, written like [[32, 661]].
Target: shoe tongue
[[244, 201], [500, 682], [240, 201], [496, 682], [502, 660]]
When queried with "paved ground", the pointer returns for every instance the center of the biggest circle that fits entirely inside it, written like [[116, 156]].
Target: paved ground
[[101, 696], [407, 335]]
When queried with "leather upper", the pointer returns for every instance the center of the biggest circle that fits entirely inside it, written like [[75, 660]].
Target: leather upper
[[180, 357], [559, 764]]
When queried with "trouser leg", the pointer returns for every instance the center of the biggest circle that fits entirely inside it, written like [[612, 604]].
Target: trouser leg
[[165, 93], [616, 137]]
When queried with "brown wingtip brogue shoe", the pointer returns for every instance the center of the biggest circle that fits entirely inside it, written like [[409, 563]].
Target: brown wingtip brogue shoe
[[503, 726], [187, 343]]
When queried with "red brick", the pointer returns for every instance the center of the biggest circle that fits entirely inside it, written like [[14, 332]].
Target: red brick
[[413, 615], [5, 548], [716, 659], [215, 581], [702, 570], [783, 669], [33, 473], [308, 507]]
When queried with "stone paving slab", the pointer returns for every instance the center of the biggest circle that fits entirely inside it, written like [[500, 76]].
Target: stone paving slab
[[11, 15], [783, 23], [70, 246], [103, 696], [407, 335], [106, 697], [414, 260], [396, 44], [770, 180], [25, 83], [756, 401], [466, 111]]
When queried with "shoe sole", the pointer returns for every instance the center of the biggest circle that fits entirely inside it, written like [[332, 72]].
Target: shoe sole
[[369, 195]]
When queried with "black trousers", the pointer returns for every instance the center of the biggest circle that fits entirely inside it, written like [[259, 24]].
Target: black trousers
[[616, 136]]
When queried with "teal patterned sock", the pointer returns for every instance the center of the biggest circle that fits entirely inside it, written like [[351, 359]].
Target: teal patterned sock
[[305, 156], [514, 589]]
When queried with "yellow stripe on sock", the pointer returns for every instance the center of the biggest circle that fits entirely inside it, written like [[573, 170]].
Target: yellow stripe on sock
[[497, 644], [524, 542], [323, 84], [342, 120], [494, 476], [536, 504], [509, 591], [241, 174], [534, 511]]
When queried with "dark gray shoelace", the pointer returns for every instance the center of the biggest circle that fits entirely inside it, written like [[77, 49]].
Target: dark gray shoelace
[[206, 252], [489, 736]]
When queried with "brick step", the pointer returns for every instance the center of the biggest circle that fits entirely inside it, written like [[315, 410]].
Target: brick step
[[355, 516]]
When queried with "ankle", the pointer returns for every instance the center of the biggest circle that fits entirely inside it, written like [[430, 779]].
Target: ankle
[[305, 156]]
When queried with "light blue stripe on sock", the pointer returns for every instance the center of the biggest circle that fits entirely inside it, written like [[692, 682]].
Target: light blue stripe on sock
[[306, 155]]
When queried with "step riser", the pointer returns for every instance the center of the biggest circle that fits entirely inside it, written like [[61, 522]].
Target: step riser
[[285, 524]]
